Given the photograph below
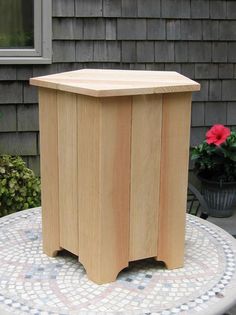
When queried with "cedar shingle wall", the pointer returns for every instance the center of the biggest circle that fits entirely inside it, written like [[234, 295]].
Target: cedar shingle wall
[[196, 38]]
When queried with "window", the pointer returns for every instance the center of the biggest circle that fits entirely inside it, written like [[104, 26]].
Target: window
[[25, 31]]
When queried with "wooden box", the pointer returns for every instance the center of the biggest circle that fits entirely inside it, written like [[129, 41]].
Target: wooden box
[[114, 166]]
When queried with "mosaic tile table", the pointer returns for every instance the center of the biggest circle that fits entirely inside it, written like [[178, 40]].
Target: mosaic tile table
[[33, 283]]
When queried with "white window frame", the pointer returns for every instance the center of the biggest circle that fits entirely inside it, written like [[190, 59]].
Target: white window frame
[[42, 51]]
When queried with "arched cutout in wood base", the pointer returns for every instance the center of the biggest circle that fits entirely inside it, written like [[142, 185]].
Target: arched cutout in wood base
[[52, 252], [102, 275], [169, 264]]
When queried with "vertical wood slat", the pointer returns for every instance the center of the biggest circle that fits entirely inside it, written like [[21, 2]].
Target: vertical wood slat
[[67, 159], [174, 178], [115, 181], [49, 170], [104, 178], [89, 182], [145, 175]]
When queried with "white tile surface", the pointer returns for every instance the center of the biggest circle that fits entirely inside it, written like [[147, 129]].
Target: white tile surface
[[32, 283]]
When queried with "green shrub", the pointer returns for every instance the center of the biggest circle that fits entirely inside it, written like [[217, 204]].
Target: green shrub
[[19, 187]]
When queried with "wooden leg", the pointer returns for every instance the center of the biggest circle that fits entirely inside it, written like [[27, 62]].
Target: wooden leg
[[104, 131], [145, 175], [49, 170], [174, 178], [67, 160]]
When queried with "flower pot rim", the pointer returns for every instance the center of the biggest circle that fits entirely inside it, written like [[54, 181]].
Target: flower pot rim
[[215, 182]]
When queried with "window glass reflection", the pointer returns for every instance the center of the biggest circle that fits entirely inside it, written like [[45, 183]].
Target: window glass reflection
[[16, 24]]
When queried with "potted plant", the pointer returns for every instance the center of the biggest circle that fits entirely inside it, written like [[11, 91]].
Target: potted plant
[[215, 166], [19, 187]]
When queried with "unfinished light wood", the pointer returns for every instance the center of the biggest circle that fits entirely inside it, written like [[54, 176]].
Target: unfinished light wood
[[145, 175], [49, 170], [104, 127], [105, 83], [174, 178], [68, 160], [114, 169]]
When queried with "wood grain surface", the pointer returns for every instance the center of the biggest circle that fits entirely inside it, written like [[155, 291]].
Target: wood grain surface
[[174, 178], [105, 83], [49, 170], [68, 171], [103, 185], [145, 175]]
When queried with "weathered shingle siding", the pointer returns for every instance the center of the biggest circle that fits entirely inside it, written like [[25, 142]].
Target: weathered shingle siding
[[194, 37]]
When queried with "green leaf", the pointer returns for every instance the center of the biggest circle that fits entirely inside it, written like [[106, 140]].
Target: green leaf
[[25, 206], [11, 183], [19, 187]]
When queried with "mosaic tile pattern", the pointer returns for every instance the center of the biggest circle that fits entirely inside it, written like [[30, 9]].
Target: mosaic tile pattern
[[32, 283]]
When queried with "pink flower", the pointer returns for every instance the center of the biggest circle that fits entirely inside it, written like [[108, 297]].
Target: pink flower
[[217, 134]]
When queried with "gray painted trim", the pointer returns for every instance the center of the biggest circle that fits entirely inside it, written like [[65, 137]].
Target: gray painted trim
[[42, 53]]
